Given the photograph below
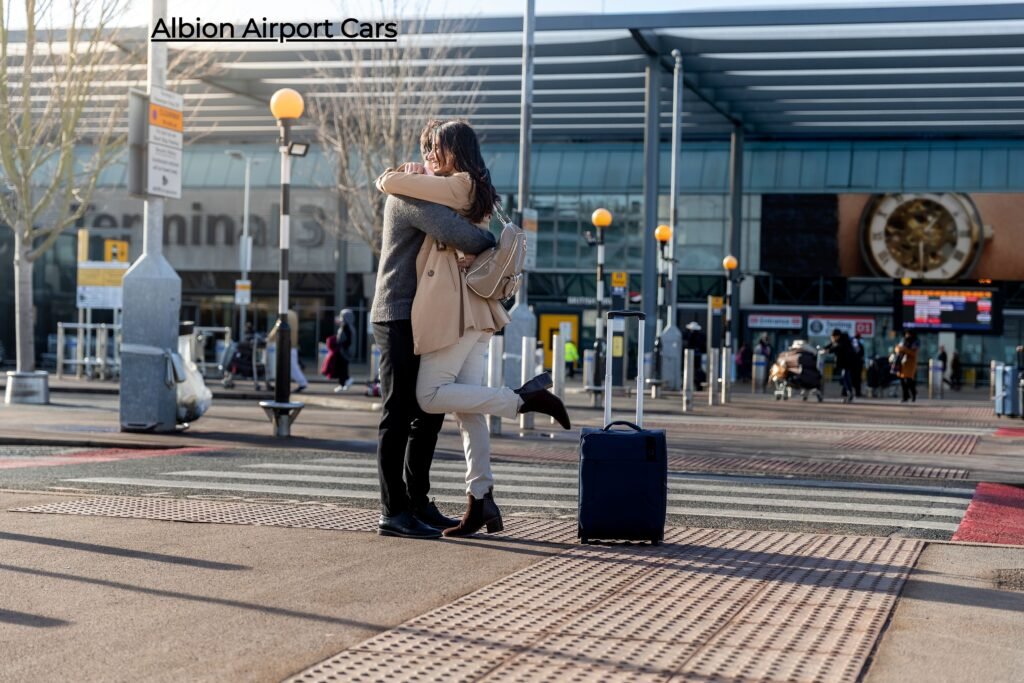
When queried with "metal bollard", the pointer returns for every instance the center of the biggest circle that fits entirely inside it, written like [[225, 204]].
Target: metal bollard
[[688, 380], [558, 368], [529, 344], [60, 350], [759, 374], [992, 380], [588, 370], [374, 363], [726, 368], [935, 371], [712, 375], [495, 376]]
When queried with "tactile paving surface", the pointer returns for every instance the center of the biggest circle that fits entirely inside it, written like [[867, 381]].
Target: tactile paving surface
[[759, 465], [707, 605], [313, 516], [946, 444]]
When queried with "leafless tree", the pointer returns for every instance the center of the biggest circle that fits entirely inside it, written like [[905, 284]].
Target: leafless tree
[[372, 102], [62, 123]]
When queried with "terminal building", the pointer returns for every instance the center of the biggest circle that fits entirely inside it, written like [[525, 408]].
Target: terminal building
[[873, 150]]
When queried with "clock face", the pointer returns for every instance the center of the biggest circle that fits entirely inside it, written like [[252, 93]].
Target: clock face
[[923, 236]]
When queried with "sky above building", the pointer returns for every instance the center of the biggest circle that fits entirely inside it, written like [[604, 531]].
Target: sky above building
[[137, 11]]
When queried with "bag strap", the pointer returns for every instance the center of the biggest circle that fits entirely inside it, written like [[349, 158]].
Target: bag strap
[[501, 214]]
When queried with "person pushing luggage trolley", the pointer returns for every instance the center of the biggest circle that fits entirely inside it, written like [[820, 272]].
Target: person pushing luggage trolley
[[623, 472]]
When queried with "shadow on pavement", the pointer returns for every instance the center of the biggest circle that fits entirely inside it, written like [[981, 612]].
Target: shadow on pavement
[[121, 552], [25, 619], [177, 595]]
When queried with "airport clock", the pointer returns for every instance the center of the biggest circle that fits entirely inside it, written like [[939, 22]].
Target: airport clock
[[923, 236]]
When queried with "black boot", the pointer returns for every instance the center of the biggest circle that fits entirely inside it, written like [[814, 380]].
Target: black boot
[[544, 402], [431, 516], [480, 512], [538, 383]]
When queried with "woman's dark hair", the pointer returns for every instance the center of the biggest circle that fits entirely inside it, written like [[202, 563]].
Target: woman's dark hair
[[457, 139]]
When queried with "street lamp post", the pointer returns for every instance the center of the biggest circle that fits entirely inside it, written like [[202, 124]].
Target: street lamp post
[[601, 218], [729, 263], [286, 105], [663, 235], [246, 251]]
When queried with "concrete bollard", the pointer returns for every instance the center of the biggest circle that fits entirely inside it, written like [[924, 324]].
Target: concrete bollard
[[495, 376], [759, 374], [526, 374], [712, 376], [688, 370], [558, 368]]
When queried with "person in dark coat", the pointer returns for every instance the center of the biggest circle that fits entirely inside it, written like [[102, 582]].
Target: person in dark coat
[[694, 338], [857, 375], [842, 348], [339, 351]]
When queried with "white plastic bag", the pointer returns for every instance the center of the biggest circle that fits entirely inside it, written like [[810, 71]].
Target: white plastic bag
[[194, 397]]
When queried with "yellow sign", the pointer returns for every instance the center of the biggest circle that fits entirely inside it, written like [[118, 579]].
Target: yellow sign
[[620, 278], [83, 244], [115, 250], [617, 342], [164, 117], [94, 275], [717, 302]]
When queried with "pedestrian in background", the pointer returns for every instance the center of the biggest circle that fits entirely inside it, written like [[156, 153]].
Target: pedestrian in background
[[744, 362], [858, 363], [906, 352], [954, 380], [572, 355], [842, 348], [339, 351]]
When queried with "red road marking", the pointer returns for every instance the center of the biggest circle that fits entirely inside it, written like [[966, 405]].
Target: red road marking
[[106, 455], [1011, 432], [995, 515]]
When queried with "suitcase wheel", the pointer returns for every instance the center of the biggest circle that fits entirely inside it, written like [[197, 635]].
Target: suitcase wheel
[[656, 541], [584, 540]]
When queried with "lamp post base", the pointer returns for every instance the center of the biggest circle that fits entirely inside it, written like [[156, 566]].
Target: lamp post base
[[28, 387], [282, 415]]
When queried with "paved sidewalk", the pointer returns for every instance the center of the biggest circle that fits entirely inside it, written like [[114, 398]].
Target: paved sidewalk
[[92, 597]]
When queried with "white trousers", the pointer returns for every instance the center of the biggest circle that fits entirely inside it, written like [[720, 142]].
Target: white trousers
[[297, 375], [451, 381]]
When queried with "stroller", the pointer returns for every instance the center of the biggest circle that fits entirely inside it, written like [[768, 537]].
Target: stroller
[[880, 376], [245, 360], [797, 368]]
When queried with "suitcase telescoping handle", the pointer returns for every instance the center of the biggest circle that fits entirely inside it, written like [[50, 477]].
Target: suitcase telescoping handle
[[639, 368]]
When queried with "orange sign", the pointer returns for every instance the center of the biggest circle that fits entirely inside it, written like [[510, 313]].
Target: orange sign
[[163, 117]]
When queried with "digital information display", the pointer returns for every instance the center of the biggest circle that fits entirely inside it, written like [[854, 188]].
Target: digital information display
[[949, 309]]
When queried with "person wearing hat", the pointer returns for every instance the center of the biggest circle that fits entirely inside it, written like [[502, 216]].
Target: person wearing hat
[[339, 351]]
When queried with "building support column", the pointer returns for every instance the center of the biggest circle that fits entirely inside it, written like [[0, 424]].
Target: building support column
[[735, 243], [652, 135]]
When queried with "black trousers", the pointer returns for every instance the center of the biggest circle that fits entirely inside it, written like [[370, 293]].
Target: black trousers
[[909, 386], [406, 436]]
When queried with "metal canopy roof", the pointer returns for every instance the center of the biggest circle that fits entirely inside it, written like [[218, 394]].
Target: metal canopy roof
[[922, 70]]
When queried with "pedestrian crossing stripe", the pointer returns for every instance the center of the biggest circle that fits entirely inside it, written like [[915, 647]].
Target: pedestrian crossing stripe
[[554, 488]]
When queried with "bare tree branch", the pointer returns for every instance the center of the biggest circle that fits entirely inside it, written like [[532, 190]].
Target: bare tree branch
[[372, 104]]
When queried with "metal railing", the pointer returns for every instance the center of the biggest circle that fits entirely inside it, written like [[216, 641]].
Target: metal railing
[[96, 355]]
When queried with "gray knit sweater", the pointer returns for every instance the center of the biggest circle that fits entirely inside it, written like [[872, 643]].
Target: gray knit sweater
[[407, 222]]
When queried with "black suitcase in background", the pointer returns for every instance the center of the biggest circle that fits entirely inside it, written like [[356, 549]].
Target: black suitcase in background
[[623, 472]]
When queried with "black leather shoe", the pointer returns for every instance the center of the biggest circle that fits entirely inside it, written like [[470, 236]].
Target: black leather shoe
[[546, 403], [405, 525], [538, 383], [431, 516]]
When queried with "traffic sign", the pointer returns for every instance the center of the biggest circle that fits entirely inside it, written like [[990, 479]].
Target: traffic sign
[[243, 292], [115, 250], [163, 117], [530, 226], [99, 284], [717, 302], [163, 171], [620, 278]]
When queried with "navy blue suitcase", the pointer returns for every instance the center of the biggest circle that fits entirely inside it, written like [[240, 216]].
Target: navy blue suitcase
[[623, 472]]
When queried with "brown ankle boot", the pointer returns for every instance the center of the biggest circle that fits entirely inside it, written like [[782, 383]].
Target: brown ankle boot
[[480, 512]]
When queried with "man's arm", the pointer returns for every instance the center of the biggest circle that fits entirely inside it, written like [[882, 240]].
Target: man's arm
[[445, 225]]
